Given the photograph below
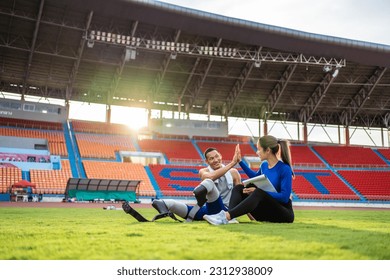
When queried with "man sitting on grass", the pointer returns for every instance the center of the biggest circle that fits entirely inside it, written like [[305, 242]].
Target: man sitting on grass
[[212, 195]]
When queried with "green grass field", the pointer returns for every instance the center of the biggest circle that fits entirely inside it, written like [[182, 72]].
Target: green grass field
[[95, 234]]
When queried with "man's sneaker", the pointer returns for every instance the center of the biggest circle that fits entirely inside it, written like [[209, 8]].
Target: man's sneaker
[[233, 221], [216, 219]]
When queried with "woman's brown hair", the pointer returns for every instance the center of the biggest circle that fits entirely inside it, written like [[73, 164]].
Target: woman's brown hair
[[269, 141]]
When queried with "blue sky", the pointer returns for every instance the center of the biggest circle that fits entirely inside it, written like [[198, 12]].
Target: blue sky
[[353, 19]]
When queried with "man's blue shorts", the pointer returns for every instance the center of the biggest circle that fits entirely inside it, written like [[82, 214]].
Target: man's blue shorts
[[209, 208]]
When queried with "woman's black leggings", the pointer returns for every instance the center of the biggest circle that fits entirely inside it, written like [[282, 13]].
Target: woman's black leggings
[[260, 205]]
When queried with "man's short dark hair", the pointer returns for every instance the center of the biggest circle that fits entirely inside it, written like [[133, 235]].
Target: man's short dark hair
[[208, 150]]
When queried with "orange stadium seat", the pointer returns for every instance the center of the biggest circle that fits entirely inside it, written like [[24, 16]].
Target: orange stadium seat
[[102, 146], [9, 176], [51, 181], [120, 171], [100, 127]]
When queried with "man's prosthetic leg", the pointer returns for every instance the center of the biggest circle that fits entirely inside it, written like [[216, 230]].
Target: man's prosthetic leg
[[131, 211], [159, 205], [206, 191], [163, 210], [201, 194]]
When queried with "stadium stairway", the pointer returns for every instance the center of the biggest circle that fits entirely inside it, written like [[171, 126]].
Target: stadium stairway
[[197, 148], [73, 152], [313, 179], [154, 182], [79, 164], [295, 197], [253, 145], [118, 157], [381, 156], [26, 175], [135, 144], [320, 157]]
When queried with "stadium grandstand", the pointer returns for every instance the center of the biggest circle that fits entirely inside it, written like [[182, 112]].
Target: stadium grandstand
[[179, 62]]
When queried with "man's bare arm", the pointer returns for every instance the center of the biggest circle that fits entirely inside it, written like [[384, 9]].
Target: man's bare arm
[[205, 173]]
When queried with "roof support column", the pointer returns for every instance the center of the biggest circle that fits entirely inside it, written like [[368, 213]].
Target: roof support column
[[265, 127], [208, 110], [67, 106], [339, 133], [382, 137], [347, 136], [305, 138], [108, 113]]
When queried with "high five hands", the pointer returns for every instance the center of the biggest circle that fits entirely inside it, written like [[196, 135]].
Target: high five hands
[[237, 154]]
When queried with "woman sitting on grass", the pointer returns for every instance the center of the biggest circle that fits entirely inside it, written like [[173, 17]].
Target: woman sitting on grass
[[261, 205]]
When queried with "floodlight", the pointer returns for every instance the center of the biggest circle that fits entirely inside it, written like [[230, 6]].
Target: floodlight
[[327, 68], [90, 43]]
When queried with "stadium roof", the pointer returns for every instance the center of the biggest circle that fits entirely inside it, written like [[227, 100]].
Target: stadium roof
[[157, 55]]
